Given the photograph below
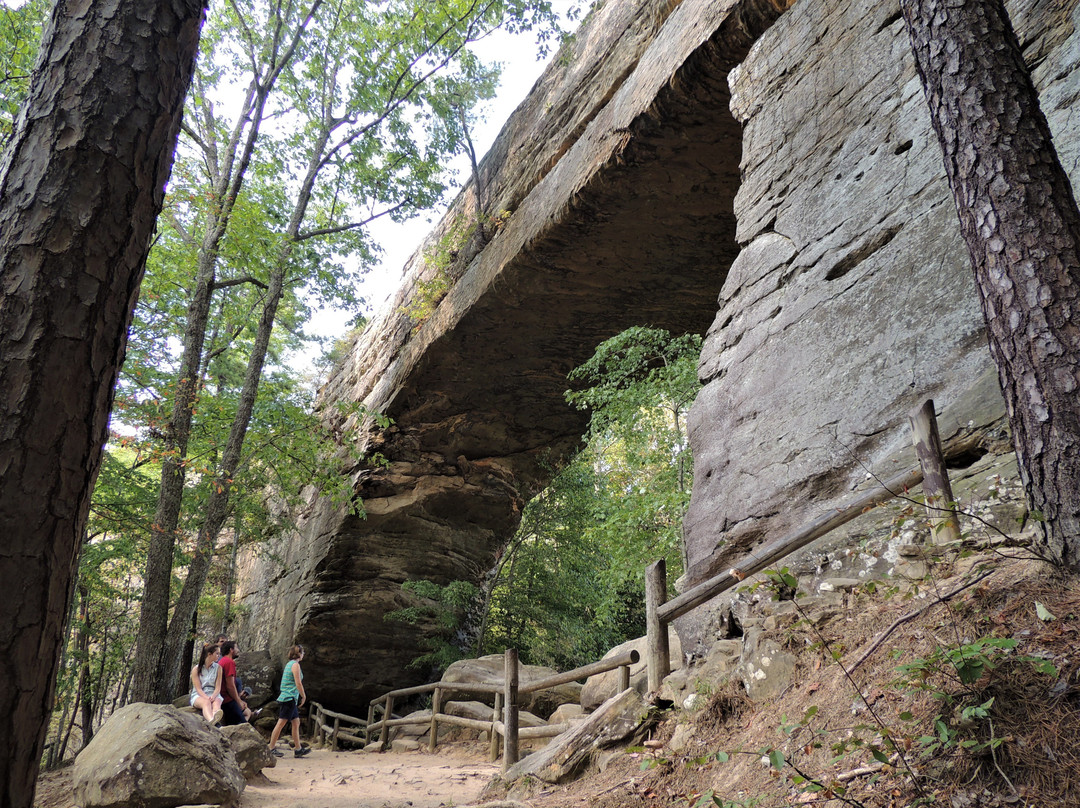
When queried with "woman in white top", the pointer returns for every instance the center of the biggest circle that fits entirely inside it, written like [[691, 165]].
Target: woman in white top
[[206, 684]]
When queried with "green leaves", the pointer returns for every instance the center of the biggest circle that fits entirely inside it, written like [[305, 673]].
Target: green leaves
[[20, 34]]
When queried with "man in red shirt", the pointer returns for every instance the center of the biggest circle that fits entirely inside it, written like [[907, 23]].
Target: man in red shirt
[[234, 706]]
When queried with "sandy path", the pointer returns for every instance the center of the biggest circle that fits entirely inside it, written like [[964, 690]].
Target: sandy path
[[326, 779]]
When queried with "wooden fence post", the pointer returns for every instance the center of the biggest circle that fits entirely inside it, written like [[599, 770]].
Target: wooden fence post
[[370, 721], [493, 752], [510, 721], [436, 706], [659, 655], [388, 710], [624, 678], [333, 738], [944, 526]]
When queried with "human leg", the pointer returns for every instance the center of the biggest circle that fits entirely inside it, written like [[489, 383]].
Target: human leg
[[206, 705], [300, 751], [233, 713], [278, 727]]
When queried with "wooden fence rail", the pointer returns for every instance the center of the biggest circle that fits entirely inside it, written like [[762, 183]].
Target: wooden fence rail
[[659, 612], [504, 718], [321, 731]]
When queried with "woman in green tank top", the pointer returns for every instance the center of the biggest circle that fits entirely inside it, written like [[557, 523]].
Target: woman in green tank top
[[291, 698]]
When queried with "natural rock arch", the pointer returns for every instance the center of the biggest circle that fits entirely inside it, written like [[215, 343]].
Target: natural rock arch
[[622, 174]]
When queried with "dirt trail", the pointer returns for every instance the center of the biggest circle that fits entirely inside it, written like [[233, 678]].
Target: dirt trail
[[326, 779]]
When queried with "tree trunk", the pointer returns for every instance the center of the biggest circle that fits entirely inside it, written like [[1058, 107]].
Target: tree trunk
[[81, 184], [1022, 228], [217, 507], [84, 696]]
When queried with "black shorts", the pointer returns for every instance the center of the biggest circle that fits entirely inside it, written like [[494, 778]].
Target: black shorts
[[288, 710], [234, 714]]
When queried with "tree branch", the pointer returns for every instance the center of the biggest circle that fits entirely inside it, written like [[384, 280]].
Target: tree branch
[[236, 282]]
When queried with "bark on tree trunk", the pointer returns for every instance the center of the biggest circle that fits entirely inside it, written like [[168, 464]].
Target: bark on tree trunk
[[1022, 228], [81, 184]]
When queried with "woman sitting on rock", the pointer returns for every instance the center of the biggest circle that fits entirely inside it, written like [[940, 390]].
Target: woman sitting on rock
[[206, 684]]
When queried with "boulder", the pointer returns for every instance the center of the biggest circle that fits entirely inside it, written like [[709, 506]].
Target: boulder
[[567, 713], [489, 669], [716, 667], [766, 669], [413, 730], [603, 686], [155, 756], [262, 673], [267, 717], [250, 748]]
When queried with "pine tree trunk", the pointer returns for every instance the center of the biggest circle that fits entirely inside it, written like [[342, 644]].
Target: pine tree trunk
[[81, 183], [1022, 228]]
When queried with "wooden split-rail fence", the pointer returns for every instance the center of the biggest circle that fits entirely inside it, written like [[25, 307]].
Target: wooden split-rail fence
[[504, 715], [660, 612]]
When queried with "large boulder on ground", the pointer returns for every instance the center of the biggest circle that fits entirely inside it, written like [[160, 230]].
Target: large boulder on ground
[[482, 712], [489, 669], [702, 676], [766, 669], [250, 749], [155, 756], [603, 686]]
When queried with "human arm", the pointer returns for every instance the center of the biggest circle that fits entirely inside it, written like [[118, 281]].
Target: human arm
[[230, 688], [196, 683], [299, 679], [217, 683]]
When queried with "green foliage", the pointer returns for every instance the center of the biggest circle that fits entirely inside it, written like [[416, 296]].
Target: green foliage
[[20, 35], [950, 674], [439, 261], [710, 798], [570, 584], [441, 610], [568, 587]]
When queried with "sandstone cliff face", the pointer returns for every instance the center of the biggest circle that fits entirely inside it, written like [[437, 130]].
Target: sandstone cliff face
[[809, 196], [851, 299]]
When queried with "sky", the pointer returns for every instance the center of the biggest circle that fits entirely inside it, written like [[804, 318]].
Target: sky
[[520, 70]]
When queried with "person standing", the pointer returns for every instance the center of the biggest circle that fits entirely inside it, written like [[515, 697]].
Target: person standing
[[206, 684], [291, 698]]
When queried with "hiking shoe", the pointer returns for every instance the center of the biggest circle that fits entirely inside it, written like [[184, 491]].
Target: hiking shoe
[[303, 750], [277, 753], [217, 717]]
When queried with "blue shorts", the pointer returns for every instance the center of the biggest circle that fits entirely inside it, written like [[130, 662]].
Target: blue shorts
[[288, 710]]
